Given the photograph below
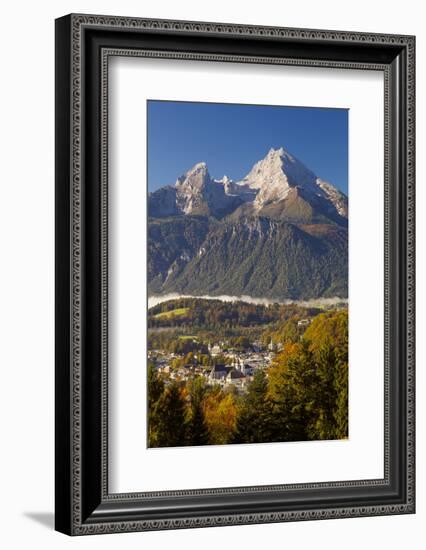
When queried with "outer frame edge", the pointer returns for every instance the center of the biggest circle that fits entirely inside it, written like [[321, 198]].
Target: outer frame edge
[[77, 21]]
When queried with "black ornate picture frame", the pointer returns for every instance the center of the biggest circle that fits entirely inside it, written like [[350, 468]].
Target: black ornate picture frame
[[84, 43]]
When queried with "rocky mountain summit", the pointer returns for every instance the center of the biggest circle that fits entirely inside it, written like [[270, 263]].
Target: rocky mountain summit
[[278, 186], [280, 233]]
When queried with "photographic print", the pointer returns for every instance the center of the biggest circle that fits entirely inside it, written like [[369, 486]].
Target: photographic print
[[247, 273]]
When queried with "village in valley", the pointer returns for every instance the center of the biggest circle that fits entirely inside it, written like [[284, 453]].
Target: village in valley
[[220, 363], [233, 371]]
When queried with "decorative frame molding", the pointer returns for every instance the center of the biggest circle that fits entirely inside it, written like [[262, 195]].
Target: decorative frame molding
[[84, 44]]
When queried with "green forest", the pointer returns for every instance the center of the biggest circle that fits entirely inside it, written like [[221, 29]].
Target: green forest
[[219, 315], [187, 324], [302, 395]]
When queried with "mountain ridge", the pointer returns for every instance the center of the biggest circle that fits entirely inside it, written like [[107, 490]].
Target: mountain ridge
[[279, 233], [270, 181]]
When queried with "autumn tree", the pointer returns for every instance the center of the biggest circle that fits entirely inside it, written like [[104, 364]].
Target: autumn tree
[[308, 383], [220, 412], [303, 395]]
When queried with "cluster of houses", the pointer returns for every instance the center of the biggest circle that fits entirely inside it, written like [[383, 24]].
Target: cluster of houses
[[238, 369], [232, 368], [235, 368]]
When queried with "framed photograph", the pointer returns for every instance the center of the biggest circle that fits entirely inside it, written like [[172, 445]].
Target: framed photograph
[[234, 274]]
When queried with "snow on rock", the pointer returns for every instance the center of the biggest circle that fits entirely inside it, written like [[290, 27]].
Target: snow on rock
[[339, 200], [198, 193], [269, 181], [275, 175], [190, 187]]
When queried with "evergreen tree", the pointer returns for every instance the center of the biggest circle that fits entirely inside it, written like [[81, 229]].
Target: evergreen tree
[[293, 385], [308, 383], [168, 426], [197, 430], [342, 394], [341, 383], [254, 420], [328, 339], [155, 386], [322, 425]]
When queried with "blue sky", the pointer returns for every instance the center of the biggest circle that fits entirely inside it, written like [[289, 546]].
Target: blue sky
[[230, 138]]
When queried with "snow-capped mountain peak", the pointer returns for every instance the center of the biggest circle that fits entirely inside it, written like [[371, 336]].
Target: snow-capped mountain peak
[[191, 187], [274, 176], [197, 193], [195, 177], [278, 185]]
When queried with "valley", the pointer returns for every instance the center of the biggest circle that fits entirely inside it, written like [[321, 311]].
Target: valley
[[247, 307]]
